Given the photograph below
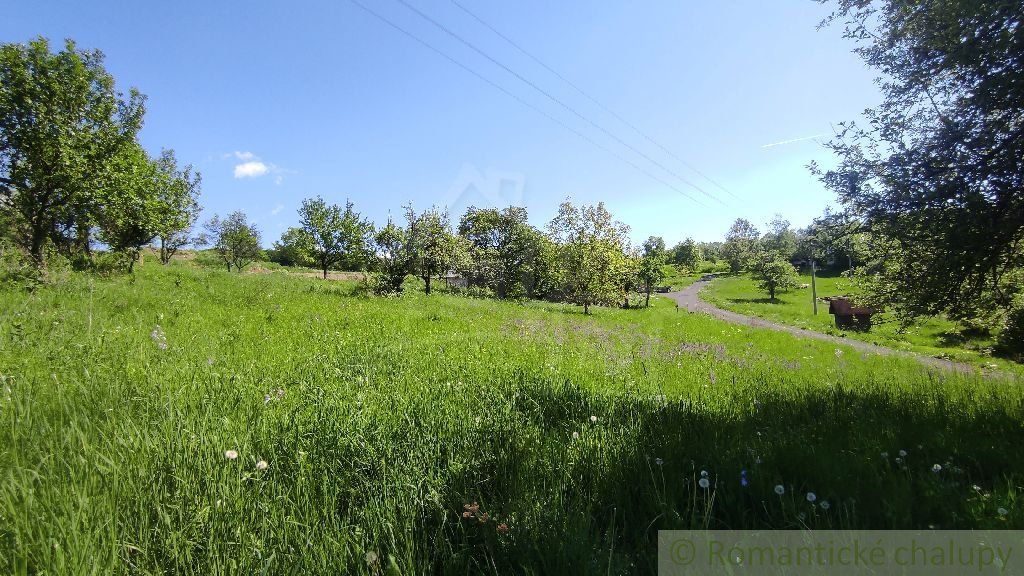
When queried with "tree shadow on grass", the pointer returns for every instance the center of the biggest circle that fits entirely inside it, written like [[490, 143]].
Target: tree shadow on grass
[[754, 301], [637, 469]]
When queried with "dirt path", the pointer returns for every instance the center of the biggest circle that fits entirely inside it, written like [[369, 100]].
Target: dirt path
[[689, 298]]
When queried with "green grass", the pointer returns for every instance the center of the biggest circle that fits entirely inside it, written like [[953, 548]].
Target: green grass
[[381, 419], [933, 336]]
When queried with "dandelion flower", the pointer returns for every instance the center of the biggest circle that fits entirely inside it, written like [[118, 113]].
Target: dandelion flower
[[575, 435], [371, 557], [824, 505], [262, 465], [593, 419], [936, 468], [811, 496], [780, 489], [1003, 511], [704, 483], [230, 454]]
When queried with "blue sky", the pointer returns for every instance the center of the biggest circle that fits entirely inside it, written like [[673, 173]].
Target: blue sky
[[275, 102]]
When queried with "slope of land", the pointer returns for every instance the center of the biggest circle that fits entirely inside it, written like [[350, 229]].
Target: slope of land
[[191, 421]]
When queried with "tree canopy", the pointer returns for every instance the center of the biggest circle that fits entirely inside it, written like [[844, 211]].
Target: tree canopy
[[937, 170]]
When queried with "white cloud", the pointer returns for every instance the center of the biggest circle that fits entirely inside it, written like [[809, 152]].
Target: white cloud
[[276, 209], [243, 155], [251, 169]]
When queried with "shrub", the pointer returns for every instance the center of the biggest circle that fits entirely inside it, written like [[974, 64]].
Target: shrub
[[1010, 341]]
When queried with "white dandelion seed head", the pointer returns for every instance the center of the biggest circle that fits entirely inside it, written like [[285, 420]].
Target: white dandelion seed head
[[371, 557], [230, 454], [899, 460], [885, 454], [593, 419], [262, 465], [780, 489], [575, 435], [903, 453], [659, 461], [1003, 511], [811, 496], [824, 505], [704, 483], [936, 468], [703, 473]]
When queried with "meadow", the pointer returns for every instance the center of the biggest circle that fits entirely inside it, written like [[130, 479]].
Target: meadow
[[937, 336], [192, 421]]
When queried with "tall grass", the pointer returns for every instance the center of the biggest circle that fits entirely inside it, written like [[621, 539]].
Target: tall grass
[[391, 426]]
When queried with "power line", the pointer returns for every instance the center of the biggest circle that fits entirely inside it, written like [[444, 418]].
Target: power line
[[554, 99], [523, 102], [582, 92]]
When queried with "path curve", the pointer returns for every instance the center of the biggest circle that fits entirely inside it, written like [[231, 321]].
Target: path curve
[[689, 298]]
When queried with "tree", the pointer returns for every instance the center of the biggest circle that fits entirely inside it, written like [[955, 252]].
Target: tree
[[740, 242], [503, 249], [433, 248], [936, 171], [128, 210], [292, 249], [687, 254], [177, 198], [590, 254], [780, 238], [650, 268], [235, 240], [393, 257], [775, 273], [62, 125], [336, 236]]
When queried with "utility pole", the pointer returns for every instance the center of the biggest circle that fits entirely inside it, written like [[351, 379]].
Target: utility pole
[[814, 288]]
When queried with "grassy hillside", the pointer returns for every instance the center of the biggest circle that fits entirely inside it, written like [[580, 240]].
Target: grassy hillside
[[447, 434], [934, 336]]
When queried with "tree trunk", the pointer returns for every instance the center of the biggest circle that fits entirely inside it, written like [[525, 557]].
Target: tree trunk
[[771, 293], [325, 272], [586, 308], [647, 301], [427, 280]]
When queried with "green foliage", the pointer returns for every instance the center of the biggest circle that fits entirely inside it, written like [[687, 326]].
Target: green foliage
[[504, 251], [177, 193], [394, 259], [1010, 341], [936, 170], [780, 238], [740, 243], [651, 266], [293, 249], [235, 240], [433, 249], [775, 274], [590, 259], [64, 129], [687, 254], [381, 419], [334, 237], [128, 211]]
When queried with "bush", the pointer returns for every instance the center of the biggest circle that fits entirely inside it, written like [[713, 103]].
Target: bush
[[1010, 341], [15, 265]]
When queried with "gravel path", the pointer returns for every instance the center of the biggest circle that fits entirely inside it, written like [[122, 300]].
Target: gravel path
[[689, 298]]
